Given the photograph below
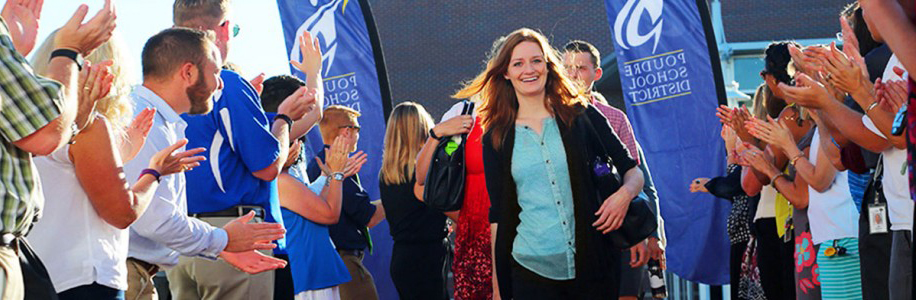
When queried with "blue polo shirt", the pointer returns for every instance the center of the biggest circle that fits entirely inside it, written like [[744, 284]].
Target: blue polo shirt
[[350, 232], [237, 137]]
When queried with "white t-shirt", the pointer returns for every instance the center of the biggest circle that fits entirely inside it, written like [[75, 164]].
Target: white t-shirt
[[766, 207], [831, 214], [74, 243], [895, 183], [456, 111], [889, 70]]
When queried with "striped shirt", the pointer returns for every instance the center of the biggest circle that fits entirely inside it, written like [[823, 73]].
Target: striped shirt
[[27, 102]]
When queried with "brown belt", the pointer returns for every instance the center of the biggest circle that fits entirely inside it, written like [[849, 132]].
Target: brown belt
[[350, 252], [151, 269]]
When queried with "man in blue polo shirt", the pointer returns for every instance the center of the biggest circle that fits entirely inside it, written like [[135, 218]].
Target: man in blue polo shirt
[[351, 233], [245, 153]]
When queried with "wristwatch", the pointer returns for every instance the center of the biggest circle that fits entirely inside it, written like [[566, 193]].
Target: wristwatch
[[74, 130], [71, 54], [339, 176]]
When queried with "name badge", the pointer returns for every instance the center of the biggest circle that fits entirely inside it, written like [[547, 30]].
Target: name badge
[[877, 218]]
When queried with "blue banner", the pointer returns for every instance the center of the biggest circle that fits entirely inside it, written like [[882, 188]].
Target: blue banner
[[672, 87], [354, 76]]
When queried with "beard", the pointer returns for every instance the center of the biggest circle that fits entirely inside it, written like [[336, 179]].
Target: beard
[[199, 95]]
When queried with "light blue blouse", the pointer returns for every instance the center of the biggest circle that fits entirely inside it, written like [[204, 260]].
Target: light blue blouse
[[545, 243]]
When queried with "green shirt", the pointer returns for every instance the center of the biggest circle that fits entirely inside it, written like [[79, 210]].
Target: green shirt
[[28, 102]]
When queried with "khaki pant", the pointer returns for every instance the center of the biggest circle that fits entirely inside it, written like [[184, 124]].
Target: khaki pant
[[200, 278], [140, 285], [13, 287], [361, 285]]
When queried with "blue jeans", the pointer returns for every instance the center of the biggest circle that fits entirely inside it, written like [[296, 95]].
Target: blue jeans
[[92, 291]]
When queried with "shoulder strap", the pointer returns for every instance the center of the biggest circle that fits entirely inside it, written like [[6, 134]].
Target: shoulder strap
[[468, 107], [596, 139]]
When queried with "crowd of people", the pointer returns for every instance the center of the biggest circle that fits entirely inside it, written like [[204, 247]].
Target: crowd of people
[[202, 173], [819, 173]]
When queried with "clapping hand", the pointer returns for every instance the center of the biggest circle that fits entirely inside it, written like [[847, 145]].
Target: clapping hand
[[759, 160], [355, 163], [252, 262], [84, 38], [807, 92], [735, 119], [293, 154], [772, 132], [166, 161], [804, 60], [94, 84], [245, 236], [137, 131], [891, 95], [347, 165], [258, 83], [21, 18], [298, 104], [840, 71]]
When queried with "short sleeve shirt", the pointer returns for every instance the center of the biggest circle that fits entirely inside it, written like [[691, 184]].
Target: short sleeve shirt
[[27, 102], [238, 142]]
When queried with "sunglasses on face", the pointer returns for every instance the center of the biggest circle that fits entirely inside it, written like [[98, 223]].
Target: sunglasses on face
[[354, 127]]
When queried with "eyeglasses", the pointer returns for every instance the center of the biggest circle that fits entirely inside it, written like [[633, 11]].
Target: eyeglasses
[[235, 28], [354, 127]]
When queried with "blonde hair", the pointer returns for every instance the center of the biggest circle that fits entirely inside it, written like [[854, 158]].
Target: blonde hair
[[408, 128], [116, 107], [198, 13], [333, 117]]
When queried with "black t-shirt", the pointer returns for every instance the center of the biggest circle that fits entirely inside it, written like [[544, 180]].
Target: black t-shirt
[[410, 220]]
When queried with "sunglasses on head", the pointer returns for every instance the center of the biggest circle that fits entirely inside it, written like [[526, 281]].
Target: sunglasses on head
[[235, 28]]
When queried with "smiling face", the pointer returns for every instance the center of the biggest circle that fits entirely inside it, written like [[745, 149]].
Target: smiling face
[[527, 69]]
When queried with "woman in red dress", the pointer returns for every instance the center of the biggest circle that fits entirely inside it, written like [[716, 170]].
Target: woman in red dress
[[472, 265]]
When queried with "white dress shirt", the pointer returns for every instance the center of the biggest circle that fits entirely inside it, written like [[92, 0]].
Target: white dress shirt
[[165, 231]]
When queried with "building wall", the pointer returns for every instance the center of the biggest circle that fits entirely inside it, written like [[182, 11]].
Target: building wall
[[431, 47]]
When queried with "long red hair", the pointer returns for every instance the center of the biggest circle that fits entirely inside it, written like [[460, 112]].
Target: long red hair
[[499, 104]]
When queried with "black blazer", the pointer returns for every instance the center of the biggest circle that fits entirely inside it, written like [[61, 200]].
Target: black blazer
[[596, 260]]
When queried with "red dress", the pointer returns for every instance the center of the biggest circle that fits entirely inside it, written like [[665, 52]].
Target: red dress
[[472, 266]]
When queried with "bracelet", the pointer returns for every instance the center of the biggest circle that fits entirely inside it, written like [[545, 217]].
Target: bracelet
[[432, 134], [150, 172], [289, 121], [795, 159], [773, 179], [871, 106]]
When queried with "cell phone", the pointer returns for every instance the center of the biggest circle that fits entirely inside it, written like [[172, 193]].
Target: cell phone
[[899, 121]]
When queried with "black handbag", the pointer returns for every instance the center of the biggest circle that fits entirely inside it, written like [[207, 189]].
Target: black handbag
[[639, 221], [444, 188]]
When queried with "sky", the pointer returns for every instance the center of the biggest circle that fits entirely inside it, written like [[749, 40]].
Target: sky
[[259, 47]]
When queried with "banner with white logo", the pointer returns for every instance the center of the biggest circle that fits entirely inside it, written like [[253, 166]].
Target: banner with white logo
[[671, 82], [354, 76]]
